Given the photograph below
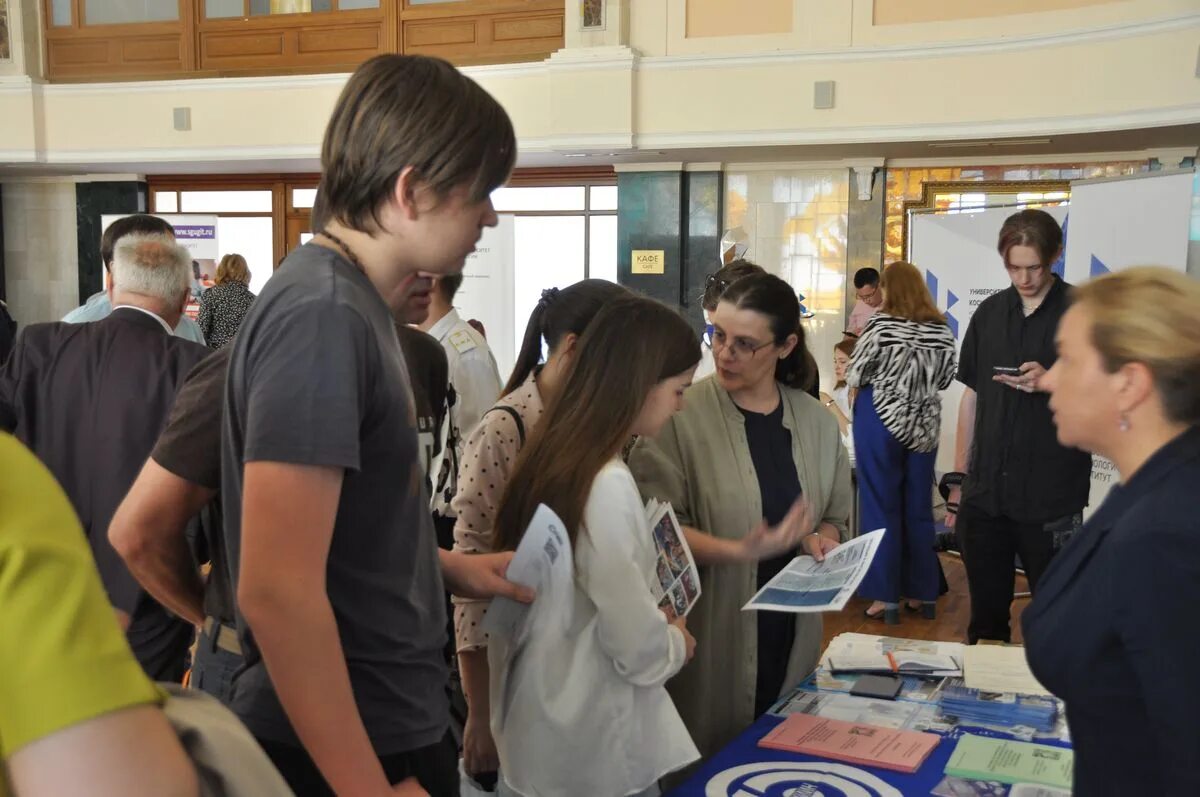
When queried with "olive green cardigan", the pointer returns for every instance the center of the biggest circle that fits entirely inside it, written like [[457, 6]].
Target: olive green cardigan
[[701, 463]]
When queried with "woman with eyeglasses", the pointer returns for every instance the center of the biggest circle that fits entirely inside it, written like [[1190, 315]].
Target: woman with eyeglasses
[[756, 472], [715, 285]]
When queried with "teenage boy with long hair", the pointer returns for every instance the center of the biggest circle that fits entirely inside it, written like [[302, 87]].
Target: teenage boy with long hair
[[341, 612]]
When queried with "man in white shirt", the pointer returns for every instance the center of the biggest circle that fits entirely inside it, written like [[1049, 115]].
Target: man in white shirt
[[473, 370], [474, 387], [869, 299]]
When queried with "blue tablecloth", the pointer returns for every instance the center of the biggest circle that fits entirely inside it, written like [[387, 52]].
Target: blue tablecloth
[[743, 769]]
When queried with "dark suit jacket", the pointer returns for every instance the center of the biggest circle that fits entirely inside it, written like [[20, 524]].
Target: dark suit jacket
[[90, 400], [1114, 631]]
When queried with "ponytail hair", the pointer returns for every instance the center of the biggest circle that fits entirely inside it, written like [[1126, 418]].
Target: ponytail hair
[[773, 298], [559, 313]]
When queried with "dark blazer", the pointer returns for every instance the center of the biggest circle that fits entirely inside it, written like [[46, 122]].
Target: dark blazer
[[90, 400], [1114, 631]]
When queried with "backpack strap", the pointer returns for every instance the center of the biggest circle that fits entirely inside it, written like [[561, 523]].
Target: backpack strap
[[516, 416]]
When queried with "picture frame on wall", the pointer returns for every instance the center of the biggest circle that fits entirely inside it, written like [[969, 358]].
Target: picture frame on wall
[[592, 14]]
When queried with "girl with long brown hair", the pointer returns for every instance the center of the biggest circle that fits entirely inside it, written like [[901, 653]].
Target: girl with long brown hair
[[589, 713], [906, 355], [489, 457]]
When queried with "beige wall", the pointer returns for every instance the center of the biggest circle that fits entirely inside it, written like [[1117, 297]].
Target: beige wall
[[734, 18], [906, 12], [41, 260], [1135, 73]]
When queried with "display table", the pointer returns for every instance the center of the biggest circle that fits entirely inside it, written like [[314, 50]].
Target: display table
[[743, 769]]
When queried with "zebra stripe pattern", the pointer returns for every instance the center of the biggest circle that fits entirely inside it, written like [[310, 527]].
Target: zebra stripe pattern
[[907, 363]]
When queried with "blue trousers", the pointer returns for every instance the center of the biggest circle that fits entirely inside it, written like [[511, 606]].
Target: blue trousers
[[896, 494]]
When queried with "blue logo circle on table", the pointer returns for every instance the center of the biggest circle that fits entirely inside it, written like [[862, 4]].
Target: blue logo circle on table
[[798, 779]]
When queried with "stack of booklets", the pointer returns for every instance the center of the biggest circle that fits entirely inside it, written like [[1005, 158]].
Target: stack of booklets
[[856, 743], [998, 708]]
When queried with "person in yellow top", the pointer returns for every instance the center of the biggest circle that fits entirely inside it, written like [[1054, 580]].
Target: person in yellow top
[[77, 714]]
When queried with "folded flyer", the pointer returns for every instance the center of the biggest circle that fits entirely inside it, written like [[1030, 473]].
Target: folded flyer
[[806, 585], [677, 583]]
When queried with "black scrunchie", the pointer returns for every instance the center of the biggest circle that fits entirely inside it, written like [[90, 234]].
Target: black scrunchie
[[548, 296]]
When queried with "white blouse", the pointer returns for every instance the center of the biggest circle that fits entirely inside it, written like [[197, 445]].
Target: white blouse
[[587, 712]]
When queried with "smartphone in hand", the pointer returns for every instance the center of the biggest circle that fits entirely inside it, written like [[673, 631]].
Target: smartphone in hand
[[1007, 370]]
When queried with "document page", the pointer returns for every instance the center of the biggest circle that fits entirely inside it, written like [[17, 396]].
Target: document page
[[808, 586]]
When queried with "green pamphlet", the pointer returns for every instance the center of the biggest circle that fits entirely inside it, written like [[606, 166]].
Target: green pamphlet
[[981, 758]]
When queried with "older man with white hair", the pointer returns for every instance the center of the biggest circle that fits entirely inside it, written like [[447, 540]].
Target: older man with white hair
[[91, 399]]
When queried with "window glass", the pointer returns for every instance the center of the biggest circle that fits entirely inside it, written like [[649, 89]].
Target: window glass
[[548, 253], [603, 197], [602, 248], [112, 12], [252, 238], [553, 197], [166, 202], [225, 202]]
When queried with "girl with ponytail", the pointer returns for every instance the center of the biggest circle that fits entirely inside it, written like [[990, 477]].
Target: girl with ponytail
[[490, 453]]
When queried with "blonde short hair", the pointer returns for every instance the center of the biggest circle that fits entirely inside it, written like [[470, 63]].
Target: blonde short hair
[[233, 268], [1150, 315], [152, 265]]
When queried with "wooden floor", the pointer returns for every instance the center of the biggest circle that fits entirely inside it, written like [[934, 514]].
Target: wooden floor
[[953, 613]]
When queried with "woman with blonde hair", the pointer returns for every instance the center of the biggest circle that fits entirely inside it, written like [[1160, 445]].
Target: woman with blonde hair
[[1118, 603], [904, 357], [223, 306]]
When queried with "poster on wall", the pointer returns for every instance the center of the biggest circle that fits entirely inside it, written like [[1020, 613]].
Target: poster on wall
[[197, 234], [486, 294]]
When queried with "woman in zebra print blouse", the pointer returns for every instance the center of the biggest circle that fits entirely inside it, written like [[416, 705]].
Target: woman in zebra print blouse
[[905, 356]]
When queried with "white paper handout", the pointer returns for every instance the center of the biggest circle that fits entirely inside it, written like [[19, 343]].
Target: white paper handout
[[677, 581], [1000, 668], [544, 562], [808, 586]]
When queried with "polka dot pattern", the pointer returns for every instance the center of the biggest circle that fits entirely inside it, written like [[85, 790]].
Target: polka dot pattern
[[487, 461]]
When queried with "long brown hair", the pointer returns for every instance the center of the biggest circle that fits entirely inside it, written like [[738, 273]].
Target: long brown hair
[[397, 111], [905, 295], [630, 346]]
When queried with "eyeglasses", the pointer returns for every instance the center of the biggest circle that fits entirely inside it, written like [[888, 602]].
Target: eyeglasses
[[874, 289], [739, 348]]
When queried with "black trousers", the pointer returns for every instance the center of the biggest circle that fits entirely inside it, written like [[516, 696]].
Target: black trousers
[[990, 546], [436, 767]]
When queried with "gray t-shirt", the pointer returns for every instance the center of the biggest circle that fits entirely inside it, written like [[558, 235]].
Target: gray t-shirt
[[317, 377]]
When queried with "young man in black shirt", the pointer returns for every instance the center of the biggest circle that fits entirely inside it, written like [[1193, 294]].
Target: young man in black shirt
[[1020, 488]]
